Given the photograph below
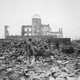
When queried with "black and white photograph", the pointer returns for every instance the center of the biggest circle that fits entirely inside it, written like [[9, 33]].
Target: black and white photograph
[[39, 39]]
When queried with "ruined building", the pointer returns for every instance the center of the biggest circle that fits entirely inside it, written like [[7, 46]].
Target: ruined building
[[36, 29]]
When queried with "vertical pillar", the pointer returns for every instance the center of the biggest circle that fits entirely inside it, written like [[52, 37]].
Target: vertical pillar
[[22, 30], [61, 32], [6, 32]]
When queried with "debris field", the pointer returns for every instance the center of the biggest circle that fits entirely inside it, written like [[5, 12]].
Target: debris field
[[39, 60]]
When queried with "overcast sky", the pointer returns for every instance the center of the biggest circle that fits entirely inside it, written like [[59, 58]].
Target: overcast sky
[[58, 13]]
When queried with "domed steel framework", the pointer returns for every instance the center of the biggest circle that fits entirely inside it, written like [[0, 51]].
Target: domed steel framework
[[36, 16]]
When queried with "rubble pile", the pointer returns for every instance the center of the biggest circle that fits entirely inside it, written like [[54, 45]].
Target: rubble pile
[[40, 60]]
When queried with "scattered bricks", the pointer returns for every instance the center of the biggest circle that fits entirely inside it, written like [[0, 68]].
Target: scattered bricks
[[43, 61]]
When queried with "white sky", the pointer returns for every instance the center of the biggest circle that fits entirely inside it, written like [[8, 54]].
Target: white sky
[[58, 13]]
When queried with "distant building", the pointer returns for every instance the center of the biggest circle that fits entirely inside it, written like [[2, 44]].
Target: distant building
[[36, 29]]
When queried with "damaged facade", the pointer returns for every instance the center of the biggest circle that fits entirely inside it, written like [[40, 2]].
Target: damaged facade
[[36, 29]]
